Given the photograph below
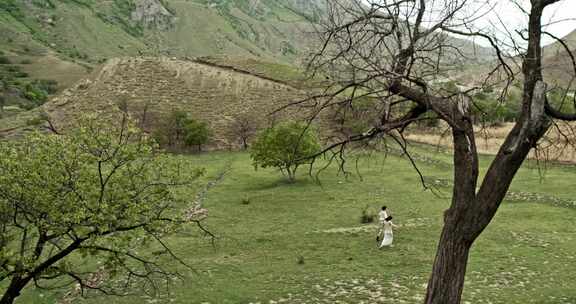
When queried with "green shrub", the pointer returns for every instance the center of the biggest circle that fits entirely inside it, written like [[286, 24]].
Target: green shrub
[[12, 8], [357, 118], [35, 94], [196, 133], [26, 61], [49, 86], [5, 60], [495, 112], [21, 74], [179, 130], [300, 260], [12, 68], [367, 216]]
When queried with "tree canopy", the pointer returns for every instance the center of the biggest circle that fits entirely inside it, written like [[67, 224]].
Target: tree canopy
[[98, 191], [285, 146]]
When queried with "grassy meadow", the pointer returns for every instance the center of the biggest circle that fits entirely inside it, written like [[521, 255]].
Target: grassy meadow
[[304, 243]]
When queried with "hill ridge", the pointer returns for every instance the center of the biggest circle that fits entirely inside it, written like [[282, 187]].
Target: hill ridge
[[215, 94]]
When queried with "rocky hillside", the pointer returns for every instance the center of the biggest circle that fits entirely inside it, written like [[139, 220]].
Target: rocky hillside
[[95, 30], [558, 65], [61, 41]]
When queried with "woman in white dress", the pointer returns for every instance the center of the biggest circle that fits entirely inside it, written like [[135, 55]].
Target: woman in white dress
[[382, 215], [388, 237]]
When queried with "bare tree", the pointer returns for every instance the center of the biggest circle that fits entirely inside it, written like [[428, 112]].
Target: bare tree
[[396, 51], [244, 127]]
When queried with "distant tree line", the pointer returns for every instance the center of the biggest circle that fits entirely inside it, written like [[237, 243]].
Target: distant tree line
[[285, 146], [178, 130]]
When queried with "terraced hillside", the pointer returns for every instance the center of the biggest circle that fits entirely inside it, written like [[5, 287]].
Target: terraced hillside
[[150, 88]]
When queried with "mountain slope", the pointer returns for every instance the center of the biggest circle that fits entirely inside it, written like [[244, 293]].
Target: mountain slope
[[94, 30], [558, 65], [63, 40]]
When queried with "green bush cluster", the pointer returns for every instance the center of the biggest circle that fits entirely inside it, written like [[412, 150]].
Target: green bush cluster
[[489, 109], [35, 94], [179, 130], [5, 60], [75, 53], [16, 89], [47, 85], [12, 7]]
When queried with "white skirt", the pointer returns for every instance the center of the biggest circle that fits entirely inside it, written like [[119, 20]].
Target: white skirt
[[388, 237]]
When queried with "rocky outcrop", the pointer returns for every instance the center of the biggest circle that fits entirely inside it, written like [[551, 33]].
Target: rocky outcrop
[[306, 6], [152, 14]]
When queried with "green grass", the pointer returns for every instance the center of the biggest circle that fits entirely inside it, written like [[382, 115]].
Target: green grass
[[305, 242]]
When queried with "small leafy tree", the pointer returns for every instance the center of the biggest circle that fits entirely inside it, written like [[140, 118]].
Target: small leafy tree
[[196, 133], [285, 146], [96, 194]]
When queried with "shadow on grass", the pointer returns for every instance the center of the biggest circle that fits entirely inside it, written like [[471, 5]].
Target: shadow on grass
[[301, 182]]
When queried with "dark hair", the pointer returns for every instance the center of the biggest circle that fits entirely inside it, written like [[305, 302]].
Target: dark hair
[[388, 218], [383, 207]]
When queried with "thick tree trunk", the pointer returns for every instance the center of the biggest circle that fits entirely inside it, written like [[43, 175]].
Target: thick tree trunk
[[18, 282], [447, 281], [9, 297], [13, 290], [291, 174], [472, 211]]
